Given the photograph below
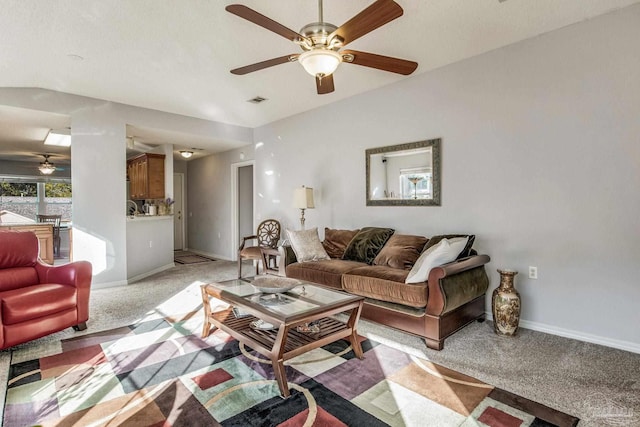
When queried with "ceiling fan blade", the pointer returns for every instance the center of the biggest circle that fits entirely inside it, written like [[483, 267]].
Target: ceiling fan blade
[[264, 64], [325, 84], [374, 16], [261, 20], [380, 62]]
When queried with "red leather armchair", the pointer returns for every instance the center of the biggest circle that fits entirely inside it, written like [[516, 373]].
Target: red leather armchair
[[37, 299]]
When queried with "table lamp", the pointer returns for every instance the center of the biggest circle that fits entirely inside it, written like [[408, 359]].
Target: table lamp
[[303, 199]]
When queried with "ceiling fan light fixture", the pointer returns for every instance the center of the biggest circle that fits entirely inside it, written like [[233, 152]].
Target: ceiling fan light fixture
[[186, 154], [46, 167], [320, 62]]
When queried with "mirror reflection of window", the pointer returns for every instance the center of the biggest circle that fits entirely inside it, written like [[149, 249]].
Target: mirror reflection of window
[[416, 183], [389, 173]]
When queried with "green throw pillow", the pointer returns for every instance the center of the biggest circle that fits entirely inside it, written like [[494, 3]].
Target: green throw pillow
[[365, 245]]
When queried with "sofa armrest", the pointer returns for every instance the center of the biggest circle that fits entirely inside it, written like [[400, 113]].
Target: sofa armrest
[[76, 274], [287, 256], [456, 283]]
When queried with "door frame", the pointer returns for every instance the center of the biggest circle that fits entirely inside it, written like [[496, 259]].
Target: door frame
[[181, 209], [235, 238]]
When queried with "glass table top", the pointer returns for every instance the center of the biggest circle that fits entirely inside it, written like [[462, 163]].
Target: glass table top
[[299, 300]]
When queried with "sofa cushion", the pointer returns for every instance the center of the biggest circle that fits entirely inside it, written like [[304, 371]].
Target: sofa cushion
[[465, 252], [336, 241], [18, 277], [306, 245], [365, 246], [385, 283], [327, 272], [445, 251], [18, 305], [401, 251]]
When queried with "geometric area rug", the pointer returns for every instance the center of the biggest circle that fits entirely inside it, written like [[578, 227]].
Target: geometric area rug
[[161, 373]]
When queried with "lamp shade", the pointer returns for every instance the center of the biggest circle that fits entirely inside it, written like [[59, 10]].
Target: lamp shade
[[303, 198], [320, 62]]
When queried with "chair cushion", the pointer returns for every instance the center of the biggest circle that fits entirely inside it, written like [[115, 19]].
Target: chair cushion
[[401, 251], [18, 277], [28, 303], [252, 252], [18, 249], [385, 284], [326, 272], [365, 246], [336, 241]]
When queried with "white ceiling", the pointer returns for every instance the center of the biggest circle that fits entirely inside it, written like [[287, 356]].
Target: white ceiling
[[175, 56]]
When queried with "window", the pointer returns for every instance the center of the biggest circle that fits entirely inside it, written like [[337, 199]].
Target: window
[[57, 196], [20, 199]]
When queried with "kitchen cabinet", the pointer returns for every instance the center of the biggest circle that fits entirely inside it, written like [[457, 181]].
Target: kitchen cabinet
[[44, 233], [146, 176]]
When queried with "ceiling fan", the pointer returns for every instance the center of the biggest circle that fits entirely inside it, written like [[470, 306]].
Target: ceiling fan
[[46, 167], [321, 43]]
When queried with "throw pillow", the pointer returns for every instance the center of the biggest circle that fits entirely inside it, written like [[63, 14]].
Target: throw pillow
[[401, 251], [365, 246], [467, 249], [336, 241], [306, 245], [445, 251]]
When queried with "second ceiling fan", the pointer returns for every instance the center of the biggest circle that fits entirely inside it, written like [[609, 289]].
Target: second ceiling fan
[[321, 43]]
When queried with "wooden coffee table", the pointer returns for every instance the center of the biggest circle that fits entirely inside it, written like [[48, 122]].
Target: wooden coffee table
[[285, 311]]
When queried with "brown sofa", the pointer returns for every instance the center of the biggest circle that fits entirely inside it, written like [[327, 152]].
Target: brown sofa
[[376, 268]]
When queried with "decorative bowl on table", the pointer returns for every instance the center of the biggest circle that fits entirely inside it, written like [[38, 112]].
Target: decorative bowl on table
[[274, 284]]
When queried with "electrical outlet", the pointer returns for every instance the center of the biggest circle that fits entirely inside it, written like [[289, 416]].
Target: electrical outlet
[[150, 243], [533, 272]]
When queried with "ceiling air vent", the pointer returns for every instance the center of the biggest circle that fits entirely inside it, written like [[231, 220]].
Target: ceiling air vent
[[257, 100]]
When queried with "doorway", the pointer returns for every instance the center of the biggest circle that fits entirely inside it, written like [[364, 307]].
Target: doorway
[[178, 212], [242, 215]]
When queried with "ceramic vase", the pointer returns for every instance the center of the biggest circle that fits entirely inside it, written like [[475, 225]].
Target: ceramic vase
[[505, 305]]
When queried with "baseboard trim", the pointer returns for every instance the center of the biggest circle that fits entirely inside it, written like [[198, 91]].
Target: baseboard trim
[[150, 273], [577, 335], [108, 284]]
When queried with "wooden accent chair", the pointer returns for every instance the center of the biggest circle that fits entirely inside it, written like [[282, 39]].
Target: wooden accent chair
[[267, 236], [55, 220]]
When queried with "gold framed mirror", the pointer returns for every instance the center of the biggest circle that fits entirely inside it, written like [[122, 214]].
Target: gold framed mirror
[[404, 175]]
